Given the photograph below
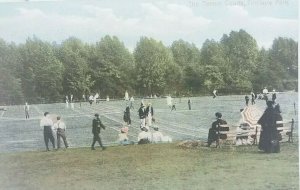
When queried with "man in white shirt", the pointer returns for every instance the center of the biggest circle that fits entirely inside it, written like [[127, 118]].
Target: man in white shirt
[[47, 124], [144, 137], [60, 128]]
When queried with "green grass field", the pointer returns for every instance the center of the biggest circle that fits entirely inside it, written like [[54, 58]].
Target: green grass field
[[155, 166], [25, 165]]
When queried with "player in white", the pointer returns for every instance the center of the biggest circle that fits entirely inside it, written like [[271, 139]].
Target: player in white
[[126, 96], [26, 109]]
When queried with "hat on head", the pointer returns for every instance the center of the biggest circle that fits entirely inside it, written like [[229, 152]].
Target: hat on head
[[218, 115], [46, 113], [97, 115], [155, 128]]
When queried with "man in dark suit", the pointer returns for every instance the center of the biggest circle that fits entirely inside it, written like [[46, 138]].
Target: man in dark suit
[[142, 115], [97, 125], [212, 134]]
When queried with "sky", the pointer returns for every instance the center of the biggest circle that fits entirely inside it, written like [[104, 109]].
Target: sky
[[166, 20]]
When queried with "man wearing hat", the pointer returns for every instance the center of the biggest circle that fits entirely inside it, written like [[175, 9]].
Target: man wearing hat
[[60, 128], [97, 125], [212, 134], [142, 115], [47, 124]]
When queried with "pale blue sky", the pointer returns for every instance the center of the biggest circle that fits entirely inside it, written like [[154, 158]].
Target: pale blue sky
[[191, 20]]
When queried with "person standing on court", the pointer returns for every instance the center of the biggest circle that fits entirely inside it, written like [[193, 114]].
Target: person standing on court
[[26, 109], [47, 124], [97, 125], [252, 98], [126, 116], [247, 100], [268, 141], [60, 128], [189, 103], [142, 115], [131, 102], [149, 115]]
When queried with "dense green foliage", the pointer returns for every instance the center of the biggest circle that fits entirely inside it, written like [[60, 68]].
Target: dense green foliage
[[40, 71]]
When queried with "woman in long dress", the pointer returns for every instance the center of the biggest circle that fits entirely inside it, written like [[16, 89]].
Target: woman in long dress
[[269, 136]]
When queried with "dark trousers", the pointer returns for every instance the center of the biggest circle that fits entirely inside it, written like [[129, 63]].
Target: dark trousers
[[95, 139], [26, 114], [48, 135], [212, 136], [173, 107], [190, 107], [61, 134]]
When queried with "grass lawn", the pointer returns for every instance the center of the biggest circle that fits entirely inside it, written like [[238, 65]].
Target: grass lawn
[[155, 166]]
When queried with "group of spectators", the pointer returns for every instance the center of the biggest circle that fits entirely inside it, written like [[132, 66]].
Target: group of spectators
[[269, 136]]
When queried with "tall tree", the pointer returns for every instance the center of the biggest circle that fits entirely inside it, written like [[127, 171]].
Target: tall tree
[[187, 57], [152, 61], [284, 63], [241, 51], [214, 65], [10, 82], [42, 71], [77, 80], [112, 66]]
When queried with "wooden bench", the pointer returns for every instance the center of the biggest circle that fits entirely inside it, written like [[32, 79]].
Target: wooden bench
[[230, 134], [286, 130]]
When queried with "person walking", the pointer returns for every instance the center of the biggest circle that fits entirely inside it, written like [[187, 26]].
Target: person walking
[[47, 124], [97, 125], [60, 128], [26, 109], [189, 104], [214, 93]]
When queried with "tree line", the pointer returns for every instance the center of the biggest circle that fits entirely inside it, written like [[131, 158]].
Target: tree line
[[39, 71]]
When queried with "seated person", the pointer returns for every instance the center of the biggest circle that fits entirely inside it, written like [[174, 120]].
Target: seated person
[[157, 136], [144, 137], [123, 139], [242, 134], [212, 134]]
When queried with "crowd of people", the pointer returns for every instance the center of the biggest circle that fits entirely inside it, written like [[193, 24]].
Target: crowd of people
[[269, 136]]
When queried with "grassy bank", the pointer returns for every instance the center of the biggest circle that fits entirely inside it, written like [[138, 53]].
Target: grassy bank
[[163, 166]]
